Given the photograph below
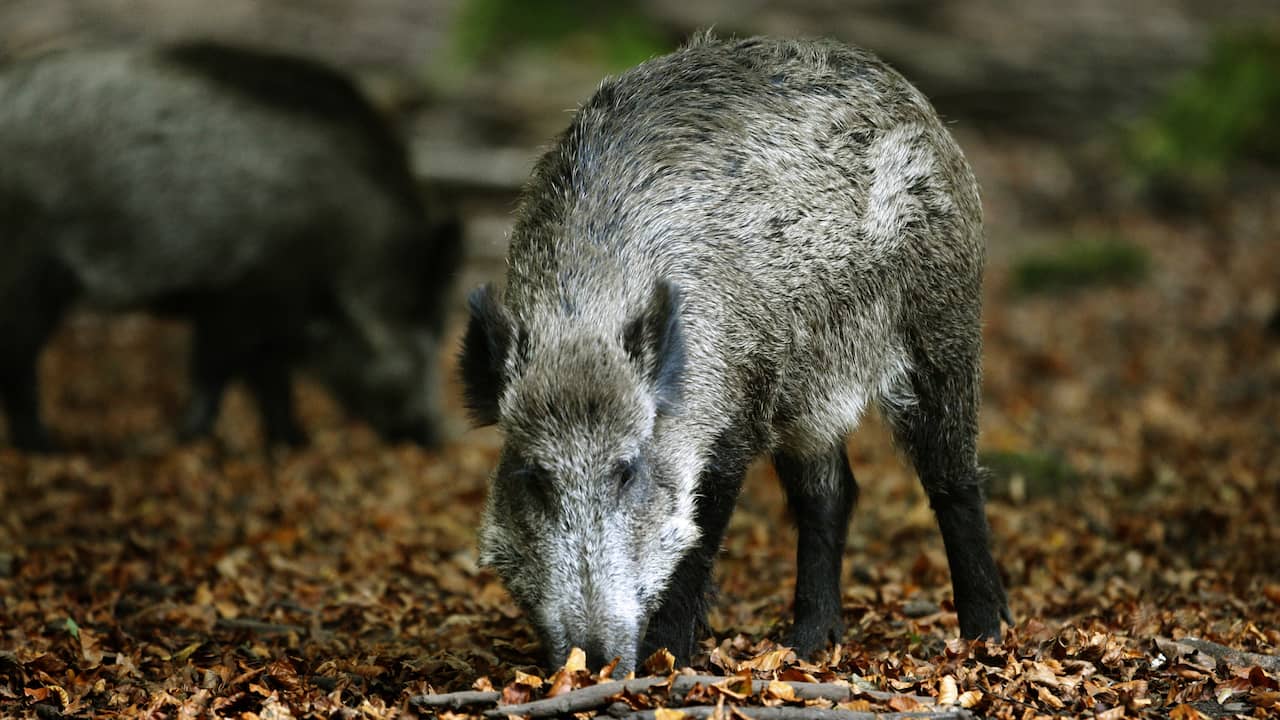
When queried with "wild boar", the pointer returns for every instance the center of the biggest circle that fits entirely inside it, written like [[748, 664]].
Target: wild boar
[[732, 251], [257, 194]]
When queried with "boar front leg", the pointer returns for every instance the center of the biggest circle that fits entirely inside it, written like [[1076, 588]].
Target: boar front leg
[[821, 493], [682, 616]]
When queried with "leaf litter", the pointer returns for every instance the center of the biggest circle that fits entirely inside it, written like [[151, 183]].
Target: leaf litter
[[141, 579]]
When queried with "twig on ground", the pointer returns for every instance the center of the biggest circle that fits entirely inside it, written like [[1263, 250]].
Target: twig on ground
[[458, 700], [1222, 652], [597, 696], [808, 713]]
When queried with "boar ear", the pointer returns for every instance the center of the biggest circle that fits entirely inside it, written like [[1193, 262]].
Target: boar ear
[[655, 340], [483, 355]]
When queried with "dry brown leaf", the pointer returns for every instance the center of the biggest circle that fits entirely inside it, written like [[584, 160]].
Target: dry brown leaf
[[663, 713], [515, 694], [1186, 712], [793, 674], [576, 661], [969, 699], [781, 691], [737, 687], [561, 683], [661, 662], [38, 694], [528, 680], [768, 661], [1262, 679], [948, 693], [903, 703], [1046, 696]]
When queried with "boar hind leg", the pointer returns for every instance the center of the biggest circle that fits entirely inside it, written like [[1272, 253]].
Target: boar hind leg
[[220, 351], [21, 396], [30, 310], [939, 432], [272, 386], [821, 493], [212, 366], [682, 615]]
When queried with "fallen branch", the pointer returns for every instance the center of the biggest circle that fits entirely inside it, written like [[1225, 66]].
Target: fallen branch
[[682, 684], [587, 698], [457, 700], [1239, 658], [598, 696], [807, 713]]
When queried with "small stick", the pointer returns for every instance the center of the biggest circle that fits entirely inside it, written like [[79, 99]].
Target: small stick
[[701, 712], [1231, 655], [587, 698], [804, 690], [457, 700], [596, 696]]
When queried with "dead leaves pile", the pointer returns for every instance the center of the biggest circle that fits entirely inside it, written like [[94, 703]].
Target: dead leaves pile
[[142, 580]]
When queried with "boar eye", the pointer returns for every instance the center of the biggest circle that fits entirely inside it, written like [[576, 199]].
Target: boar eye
[[529, 476], [624, 473]]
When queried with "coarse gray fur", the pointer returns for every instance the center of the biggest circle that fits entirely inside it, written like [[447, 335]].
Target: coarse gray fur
[[733, 251], [258, 194]]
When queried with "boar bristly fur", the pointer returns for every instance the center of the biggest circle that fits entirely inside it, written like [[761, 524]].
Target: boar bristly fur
[[733, 251], [259, 195]]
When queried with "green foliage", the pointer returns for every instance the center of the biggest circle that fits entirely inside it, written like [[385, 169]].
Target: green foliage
[[1078, 264], [615, 35], [1027, 474], [1225, 113]]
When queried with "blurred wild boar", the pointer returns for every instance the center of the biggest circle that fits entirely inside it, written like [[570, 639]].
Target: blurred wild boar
[[733, 251], [259, 195]]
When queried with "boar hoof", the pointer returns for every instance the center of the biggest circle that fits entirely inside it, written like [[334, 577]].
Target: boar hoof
[[807, 638]]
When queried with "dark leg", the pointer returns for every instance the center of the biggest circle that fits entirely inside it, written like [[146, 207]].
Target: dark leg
[[272, 386], [20, 391], [213, 363], [939, 433], [32, 299], [821, 493], [682, 616]]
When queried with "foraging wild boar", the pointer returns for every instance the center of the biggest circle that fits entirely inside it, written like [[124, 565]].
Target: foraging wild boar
[[259, 195], [732, 251]]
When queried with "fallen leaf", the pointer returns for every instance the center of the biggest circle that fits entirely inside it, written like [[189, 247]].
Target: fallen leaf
[[903, 703], [576, 661], [1186, 712], [781, 691], [661, 662], [528, 680], [948, 693]]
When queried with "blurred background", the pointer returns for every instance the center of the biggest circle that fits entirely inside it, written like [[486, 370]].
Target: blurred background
[[1065, 108], [1128, 154], [1095, 127]]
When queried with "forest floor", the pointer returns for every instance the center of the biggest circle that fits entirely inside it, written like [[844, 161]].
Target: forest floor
[[1133, 429]]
